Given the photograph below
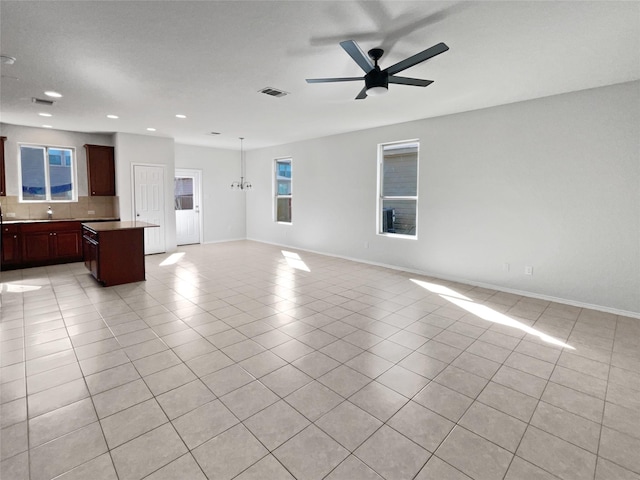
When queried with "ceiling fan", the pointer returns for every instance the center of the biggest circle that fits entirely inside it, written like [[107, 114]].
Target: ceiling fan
[[376, 81]]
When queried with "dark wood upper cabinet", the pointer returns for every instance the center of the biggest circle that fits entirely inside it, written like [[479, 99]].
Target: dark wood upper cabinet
[[3, 184], [101, 170]]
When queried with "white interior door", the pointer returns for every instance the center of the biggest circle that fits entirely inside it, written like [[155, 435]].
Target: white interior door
[[149, 204], [186, 200]]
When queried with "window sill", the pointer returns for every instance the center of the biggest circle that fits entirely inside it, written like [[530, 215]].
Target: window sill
[[398, 235], [42, 202]]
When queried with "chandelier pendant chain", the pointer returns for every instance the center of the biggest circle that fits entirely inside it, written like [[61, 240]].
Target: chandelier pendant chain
[[242, 184]]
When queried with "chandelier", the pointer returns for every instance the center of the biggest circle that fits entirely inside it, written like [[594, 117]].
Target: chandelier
[[242, 184]]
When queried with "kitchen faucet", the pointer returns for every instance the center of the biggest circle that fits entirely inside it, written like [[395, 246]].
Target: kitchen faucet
[[49, 212]]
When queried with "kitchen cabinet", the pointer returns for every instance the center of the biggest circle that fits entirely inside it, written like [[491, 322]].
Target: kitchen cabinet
[[114, 251], [3, 183], [48, 243], [101, 170], [11, 245]]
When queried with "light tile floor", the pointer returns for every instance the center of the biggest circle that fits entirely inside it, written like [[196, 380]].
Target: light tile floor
[[241, 361]]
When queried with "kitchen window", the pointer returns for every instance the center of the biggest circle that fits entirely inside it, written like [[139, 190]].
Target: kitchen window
[[47, 174], [398, 189], [283, 191]]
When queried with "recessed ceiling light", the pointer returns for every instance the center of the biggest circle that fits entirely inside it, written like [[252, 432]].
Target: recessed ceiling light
[[180, 116], [43, 114], [151, 129], [47, 126], [7, 60], [113, 116], [51, 93]]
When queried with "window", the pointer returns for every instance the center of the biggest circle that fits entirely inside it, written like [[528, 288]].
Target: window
[[183, 193], [282, 188], [398, 189], [47, 174]]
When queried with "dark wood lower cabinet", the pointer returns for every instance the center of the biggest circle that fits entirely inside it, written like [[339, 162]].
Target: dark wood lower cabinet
[[54, 242], [41, 243], [11, 246], [67, 244], [36, 245]]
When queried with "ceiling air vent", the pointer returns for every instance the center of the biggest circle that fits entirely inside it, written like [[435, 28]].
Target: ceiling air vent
[[42, 101], [273, 92]]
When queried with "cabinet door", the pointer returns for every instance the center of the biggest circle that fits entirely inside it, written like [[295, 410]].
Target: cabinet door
[[3, 187], [36, 246], [66, 244], [11, 251], [101, 170]]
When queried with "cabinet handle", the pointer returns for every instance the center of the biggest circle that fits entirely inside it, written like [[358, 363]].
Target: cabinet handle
[[55, 234], [15, 236]]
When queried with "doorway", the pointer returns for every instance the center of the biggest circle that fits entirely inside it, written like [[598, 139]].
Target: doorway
[[148, 186], [187, 200]]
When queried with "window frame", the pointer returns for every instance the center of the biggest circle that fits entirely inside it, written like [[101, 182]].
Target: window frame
[[381, 198], [276, 195], [47, 174]]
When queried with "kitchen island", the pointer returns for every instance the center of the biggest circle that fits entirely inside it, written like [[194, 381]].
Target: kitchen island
[[114, 251]]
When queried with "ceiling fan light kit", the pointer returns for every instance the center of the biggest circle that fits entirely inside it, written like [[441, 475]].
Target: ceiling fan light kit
[[375, 91], [376, 81]]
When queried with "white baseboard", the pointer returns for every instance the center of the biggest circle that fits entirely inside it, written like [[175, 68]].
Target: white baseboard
[[500, 288], [226, 240]]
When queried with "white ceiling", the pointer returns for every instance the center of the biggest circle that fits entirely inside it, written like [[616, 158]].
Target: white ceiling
[[149, 60]]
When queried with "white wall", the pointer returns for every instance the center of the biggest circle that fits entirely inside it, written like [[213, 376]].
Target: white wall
[[223, 209], [46, 136], [553, 183], [145, 149]]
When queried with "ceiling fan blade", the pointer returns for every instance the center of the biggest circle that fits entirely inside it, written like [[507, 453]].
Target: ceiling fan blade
[[416, 82], [363, 94], [358, 55], [329, 80], [417, 58]]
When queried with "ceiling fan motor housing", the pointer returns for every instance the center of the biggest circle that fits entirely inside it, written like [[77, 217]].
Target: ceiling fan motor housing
[[376, 78]]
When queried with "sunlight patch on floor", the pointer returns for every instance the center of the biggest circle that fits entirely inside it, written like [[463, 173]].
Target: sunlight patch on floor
[[172, 259], [294, 261], [17, 288], [486, 313]]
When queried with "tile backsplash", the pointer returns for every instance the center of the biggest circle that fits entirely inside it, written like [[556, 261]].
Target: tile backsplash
[[85, 207]]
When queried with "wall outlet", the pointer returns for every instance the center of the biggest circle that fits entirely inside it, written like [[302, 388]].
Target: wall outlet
[[91, 212], [505, 267], [11, 214], [528, 270]]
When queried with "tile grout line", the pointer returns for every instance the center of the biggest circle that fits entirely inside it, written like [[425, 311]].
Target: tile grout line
[[84, 379], [535, 408], [604, 406]]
